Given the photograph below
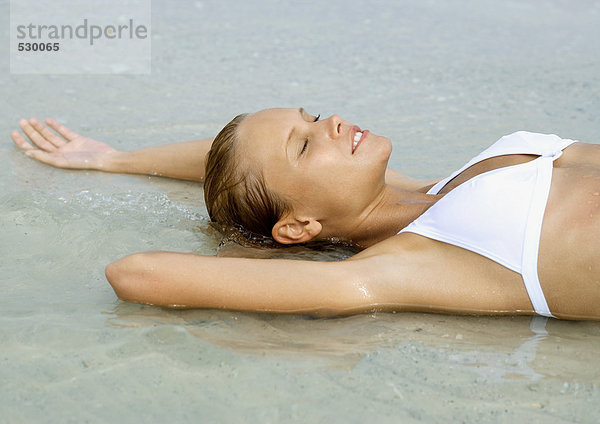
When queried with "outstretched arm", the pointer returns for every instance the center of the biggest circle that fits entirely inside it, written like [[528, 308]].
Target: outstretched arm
[[188, 280], [185, 160], [68, 149], [398, 274]]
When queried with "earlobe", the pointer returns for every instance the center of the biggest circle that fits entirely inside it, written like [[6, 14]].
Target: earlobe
[[292, 230]]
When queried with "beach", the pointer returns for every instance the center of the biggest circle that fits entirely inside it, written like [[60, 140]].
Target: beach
[[442, 79]]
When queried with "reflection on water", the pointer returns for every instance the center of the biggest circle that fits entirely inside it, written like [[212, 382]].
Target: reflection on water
[[518, 363], [496, 348]]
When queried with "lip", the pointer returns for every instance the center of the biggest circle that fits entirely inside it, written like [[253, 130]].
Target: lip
[[364, 135]]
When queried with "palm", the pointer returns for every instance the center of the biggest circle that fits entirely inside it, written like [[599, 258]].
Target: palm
[[69, 151]]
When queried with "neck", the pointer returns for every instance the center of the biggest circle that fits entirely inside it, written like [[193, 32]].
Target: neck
[[393, 210]]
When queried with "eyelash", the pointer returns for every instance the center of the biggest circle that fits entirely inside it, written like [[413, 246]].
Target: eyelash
[[306, 141]]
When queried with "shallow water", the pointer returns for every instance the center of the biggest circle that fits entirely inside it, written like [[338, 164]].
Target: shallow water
[[442, 79]]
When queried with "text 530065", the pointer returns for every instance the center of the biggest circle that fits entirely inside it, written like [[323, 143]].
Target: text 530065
[[38, 47]]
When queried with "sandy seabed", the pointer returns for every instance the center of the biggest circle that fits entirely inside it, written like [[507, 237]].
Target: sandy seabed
[[443, 79]]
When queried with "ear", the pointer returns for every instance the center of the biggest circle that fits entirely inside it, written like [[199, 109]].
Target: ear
[[293, 230]]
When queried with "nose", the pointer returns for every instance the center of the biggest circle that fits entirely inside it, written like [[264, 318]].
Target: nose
[[334, 126]]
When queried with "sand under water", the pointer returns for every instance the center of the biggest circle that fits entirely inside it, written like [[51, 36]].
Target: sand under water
[[442, 79]]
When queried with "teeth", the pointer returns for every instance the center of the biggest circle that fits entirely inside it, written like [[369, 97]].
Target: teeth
[[357, 137]]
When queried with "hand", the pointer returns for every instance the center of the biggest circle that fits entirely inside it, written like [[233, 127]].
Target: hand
[[69, 151]]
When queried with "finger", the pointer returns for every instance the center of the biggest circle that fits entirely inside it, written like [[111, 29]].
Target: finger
[[20, 140], [46, 133], [36, 137], [53, 159], [61, 129]]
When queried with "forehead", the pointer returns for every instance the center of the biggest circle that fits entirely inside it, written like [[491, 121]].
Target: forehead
[[262, 135], [267, 123]]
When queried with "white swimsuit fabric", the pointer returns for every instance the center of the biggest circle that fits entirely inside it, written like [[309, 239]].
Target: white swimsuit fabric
[[499, 213]]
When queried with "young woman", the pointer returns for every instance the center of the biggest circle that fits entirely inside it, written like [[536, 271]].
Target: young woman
[[514, 231]]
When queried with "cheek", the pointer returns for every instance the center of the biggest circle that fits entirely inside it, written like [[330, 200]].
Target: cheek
[[319, 188], [330, 174]]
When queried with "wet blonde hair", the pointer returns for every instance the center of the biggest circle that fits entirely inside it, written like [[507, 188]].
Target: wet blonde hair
[[235, 193]]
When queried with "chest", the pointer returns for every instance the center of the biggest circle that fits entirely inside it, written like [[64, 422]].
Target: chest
[[486, 165], [494, 207]]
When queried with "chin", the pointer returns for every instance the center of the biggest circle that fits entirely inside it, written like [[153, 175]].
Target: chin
[[386, 150]]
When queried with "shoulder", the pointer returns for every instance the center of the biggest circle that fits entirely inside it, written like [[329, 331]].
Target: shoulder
[[398, 257], [411, 272]]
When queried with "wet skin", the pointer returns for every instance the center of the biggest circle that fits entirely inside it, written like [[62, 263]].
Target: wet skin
[[334, 190]]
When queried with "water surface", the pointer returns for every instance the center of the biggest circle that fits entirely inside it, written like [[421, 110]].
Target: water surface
[[443, 79]]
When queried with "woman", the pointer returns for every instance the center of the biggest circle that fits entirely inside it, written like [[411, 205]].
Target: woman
[[477, 243]]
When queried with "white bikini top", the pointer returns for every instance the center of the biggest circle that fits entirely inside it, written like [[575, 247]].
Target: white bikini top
[[499, 213]]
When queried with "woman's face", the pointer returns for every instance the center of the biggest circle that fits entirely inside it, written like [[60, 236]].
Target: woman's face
[[316, 164]]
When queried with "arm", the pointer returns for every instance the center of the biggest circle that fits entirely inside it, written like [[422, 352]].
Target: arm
[[187, 280], [184, 160], [399, 274], [378, 278]]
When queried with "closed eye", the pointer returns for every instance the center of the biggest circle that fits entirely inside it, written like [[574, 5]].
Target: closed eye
[[305, 145]]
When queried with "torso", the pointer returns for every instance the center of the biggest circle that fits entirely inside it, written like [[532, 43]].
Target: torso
[[569, 259], [450, 278]]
